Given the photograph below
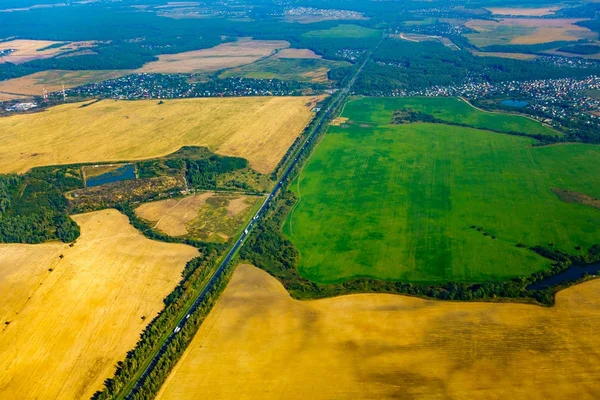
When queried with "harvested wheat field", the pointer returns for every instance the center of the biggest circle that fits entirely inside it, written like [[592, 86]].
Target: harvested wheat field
[[525, 12], [227, 55], [207, 216], [69, 326], [260, 129], [28, 50], [297, 53], [258, 343], [526, 31], [53, 81]]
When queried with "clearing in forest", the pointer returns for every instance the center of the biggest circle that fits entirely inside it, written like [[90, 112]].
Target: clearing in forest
[[73, 312], [226, 55], [27, 50], [206, 216], [430, 202], [259, 129], [376, 346]]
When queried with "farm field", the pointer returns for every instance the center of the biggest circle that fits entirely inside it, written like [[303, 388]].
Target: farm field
[[69, 326], [207, 216], [344, 31], [287, 68], [376, 346], [524, 11], [431, 203], [227, 55], [526, 31], [260, 129], [28, 50], [449, 109], [53, 81]]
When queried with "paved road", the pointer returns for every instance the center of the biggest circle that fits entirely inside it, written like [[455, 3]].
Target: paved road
[[340, 97]]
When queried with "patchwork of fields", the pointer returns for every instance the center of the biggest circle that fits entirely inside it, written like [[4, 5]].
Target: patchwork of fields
[[433, 202], [260, 129], [258, 343], [73, 312]]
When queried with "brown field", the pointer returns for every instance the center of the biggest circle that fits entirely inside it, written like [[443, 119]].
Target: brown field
[[205, 216], [338, 121], [227, 55], [258, 343], [53, 81], [526, 31], [526, 12], [27, 50], [296, 53], [70, 326], [260, 129]]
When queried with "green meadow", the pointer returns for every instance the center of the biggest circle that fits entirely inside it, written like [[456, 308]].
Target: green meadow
[[398, 202], [449, 109], [344, 31]]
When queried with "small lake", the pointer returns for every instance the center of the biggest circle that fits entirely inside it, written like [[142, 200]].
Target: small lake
[[574, 272], [122, 173], [514, 103]]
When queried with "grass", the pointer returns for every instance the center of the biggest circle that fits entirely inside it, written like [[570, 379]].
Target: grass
[[297, 69], [378, 346], [397, 202], [206, 216], [349, 31], [69, 326], [260, 129], [449, 109]]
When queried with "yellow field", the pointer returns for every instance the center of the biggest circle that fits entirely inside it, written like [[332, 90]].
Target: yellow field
[[206, 216], [296, 53], [526, 12], [227, 55], [27, 50], [526, 31], [53, 81], [260, 129], [258, 343], [69, 326]]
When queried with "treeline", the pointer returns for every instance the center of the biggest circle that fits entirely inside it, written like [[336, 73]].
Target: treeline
[[270, 250], [529, 48], [33, 208]]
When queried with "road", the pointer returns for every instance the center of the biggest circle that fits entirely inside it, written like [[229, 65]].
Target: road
[[340, 97]]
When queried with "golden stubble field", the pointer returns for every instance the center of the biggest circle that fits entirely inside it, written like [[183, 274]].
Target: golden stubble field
[[28, 50], [226, 55], [527, 31], [260, 129], [70, 326], [258, 343]]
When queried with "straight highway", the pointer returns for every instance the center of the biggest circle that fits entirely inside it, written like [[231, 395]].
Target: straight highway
[[340, 96]]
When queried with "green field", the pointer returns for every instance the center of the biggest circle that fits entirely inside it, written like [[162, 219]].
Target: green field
[[297, 69], [398, 201], [449, 109], [344, 31]]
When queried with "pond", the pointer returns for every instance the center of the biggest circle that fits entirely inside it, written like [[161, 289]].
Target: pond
[[574, 272], [121, 173], [514, 103]]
